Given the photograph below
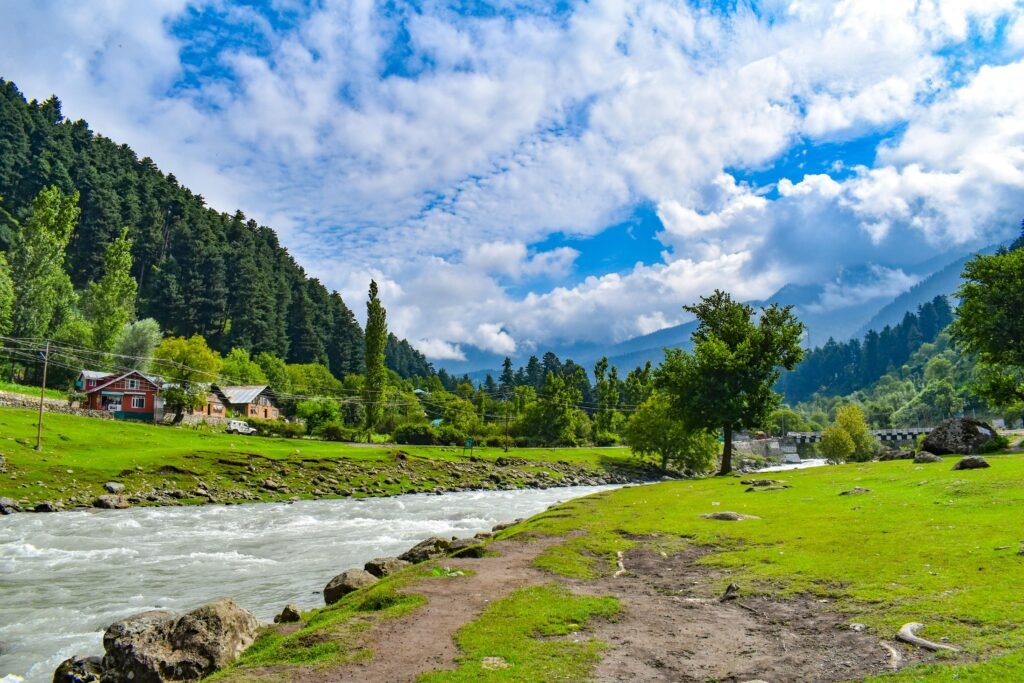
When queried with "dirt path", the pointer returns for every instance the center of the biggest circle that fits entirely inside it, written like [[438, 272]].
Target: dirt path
[[674, 628], [424, 639]]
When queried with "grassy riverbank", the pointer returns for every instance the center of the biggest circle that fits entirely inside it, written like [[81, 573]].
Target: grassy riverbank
[[924, 544], [170, 464]]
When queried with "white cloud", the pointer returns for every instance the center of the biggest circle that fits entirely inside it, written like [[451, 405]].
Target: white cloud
[[438, 176], [884, 283], [439, 349]]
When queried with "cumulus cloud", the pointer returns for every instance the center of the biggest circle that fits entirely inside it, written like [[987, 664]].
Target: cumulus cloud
[[434, 150]]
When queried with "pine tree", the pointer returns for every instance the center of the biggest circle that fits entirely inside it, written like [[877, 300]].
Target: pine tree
[[376, 339]]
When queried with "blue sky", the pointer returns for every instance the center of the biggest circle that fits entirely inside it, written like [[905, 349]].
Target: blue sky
[[520, 174]]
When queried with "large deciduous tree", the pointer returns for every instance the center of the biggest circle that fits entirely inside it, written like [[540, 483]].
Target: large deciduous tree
[[990, 324], [655, 432], [376, 339], [726, 381], [136, 344], [189, 364]]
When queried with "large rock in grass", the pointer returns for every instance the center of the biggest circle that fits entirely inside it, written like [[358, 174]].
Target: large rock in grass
[[385, 566], [962, 435], [893, 454], [925, 457], [111, 501], [971, 462], [9, 506], [162, 646], [430, 549], [348, 581]]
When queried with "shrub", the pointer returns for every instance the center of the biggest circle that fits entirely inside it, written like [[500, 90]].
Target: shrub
[[448, 435], [495, 441], [606, 439], [416, 435], [287, 430], [335, 431], [995, 444]]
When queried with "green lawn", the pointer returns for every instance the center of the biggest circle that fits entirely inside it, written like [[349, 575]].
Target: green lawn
[[928, 544], [79, 454], [32, 391]]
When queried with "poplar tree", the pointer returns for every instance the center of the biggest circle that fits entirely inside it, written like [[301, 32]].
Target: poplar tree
[[42, 290], [376, 340], [110, 301], [6, 296]]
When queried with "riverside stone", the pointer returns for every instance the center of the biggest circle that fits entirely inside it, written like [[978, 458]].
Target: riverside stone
[[114, 487], [162, 646], [925, 457], [9, 506], [111, 502], [958, 435], [79, 669], [385, 566], [349, 581], [289, 615], [429, 549], [971, 462]]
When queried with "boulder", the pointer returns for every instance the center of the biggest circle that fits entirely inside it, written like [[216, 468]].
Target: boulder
[[855, 491], [962, 435], [385, 566], [347, 582], [79, 670], [289, 615], [430, 549], [926, 457], [162, 646], [971, 462], [46, 506], [891, 454], [9, 506], [114, 487], [726, 516], [111, 501]]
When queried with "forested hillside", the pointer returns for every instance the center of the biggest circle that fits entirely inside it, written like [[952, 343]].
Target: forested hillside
[[198, 271], [839, 368]]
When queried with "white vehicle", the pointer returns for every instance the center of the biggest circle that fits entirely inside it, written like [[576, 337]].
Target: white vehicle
[[239, 427]]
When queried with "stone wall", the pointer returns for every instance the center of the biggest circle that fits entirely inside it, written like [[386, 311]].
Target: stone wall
[[50, 405]]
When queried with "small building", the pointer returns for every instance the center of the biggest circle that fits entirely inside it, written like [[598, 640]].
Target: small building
[[254, 401], [129, 396], [213, 406]]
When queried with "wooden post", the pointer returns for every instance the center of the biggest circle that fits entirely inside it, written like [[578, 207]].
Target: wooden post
[[42, 395]]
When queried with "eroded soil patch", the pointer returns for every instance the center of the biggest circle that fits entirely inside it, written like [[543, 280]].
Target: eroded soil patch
[[674, 628]]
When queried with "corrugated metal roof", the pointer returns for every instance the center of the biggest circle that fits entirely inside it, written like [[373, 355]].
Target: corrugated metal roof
[[245, 394], [94, 374]]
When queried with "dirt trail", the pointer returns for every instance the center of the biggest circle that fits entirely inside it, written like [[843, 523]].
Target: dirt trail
[[423, 640], [673, 628]]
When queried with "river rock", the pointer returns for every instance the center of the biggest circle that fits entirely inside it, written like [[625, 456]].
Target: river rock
[[958, 435], [466, 547], [971, 462], [289, 615], [430, 549], [162, 646], [385, 566], [855, 491], [111, 501], [347, 582], [925, 457], [114, 487], [79, 670], [46, 506], [9, 506]]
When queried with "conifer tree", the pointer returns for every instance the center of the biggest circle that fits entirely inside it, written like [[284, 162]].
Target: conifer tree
[[376, 340]]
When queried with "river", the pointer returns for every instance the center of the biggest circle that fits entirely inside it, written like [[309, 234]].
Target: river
[[64, 577]]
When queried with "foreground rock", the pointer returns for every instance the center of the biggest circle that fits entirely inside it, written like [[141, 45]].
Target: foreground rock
[[348, 581], [726, 516], [289, 615], [971, 462], [855, 491], [925, 457], [114, 487], [9, 506], [79, 670], [430, 549], [892, 454], [161, 646], [958, 435], [385, 566]]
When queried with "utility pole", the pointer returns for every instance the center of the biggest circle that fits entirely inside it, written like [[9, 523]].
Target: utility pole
[[42, 395], [506, 425]]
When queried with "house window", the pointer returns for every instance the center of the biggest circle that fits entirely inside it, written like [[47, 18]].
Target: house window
[[133, 384], [138, 401]]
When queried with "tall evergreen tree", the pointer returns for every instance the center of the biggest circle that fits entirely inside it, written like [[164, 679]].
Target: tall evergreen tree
[[376, 340]]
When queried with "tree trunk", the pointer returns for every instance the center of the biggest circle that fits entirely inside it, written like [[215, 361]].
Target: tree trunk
[[179, 416], [664, 464], [726, 467]]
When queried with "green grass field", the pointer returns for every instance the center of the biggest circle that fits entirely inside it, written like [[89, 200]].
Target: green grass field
[[79, 454], [927, 544], [32, 391]]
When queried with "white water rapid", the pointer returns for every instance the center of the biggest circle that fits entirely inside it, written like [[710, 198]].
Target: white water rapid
[[64, 577]]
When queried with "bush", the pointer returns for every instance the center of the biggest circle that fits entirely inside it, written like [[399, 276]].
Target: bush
[[335, 431], [416, 435], [995, 444], [495, 441], [606, 439], [448, 435], [287, 430]]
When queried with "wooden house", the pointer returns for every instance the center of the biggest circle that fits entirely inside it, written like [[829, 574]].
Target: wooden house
[[129, 395], [253, 401]]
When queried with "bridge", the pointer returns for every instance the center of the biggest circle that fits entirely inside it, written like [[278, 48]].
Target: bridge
[[883, 435]]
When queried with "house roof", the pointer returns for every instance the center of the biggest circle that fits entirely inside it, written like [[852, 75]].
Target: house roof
[[242, 394], [94, 374], [155, 381]]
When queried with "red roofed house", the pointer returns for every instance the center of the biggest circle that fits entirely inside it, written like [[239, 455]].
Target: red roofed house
[[129, 396]]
